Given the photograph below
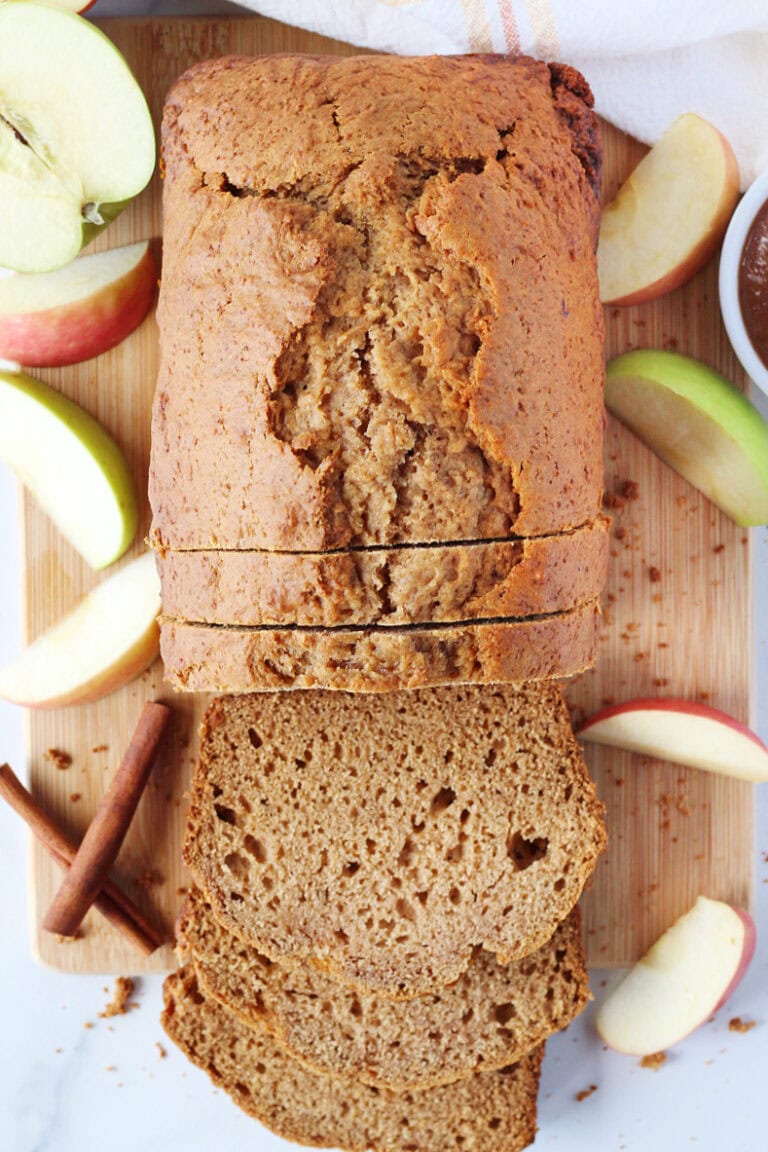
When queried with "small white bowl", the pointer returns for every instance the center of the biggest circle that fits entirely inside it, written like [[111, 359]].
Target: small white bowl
[[730, 259]]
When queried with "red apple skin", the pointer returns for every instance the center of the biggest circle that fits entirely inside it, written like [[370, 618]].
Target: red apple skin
[[655, 704], [748, 951], [703, 251], [71, 333]]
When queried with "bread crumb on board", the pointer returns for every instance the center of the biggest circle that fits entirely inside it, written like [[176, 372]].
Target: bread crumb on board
[[59, 759], [120, 1002], [654, 1061], [736, 1024]]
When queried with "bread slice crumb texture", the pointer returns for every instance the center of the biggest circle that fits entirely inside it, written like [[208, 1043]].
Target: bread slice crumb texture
[[388, 837], [492, 1112], [491, 1016]]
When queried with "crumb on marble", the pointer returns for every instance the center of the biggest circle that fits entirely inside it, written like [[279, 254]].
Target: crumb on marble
[[120, 1002], [586, 1092], [736, 1024], [654, 1061]]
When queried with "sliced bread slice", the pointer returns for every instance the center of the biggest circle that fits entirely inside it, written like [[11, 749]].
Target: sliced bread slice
[[493, 1015], [492, 1112], [214, 658], [393, 586], [389, 836]]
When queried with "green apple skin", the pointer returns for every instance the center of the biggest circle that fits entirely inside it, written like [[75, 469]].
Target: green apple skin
[[76, 137], [697, 422], [71, 465]]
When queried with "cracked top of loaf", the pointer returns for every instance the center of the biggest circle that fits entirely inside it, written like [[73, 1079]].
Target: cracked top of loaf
[[379, 311]]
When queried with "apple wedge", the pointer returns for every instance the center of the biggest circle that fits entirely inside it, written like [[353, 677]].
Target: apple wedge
[[670, 215], [48, 319], [686, 976], [71, 465], [106, 641], [685, 733], [697, 422], [76, 137]]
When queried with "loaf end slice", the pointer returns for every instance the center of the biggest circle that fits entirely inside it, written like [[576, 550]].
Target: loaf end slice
[[390, 836], [491, 1112]]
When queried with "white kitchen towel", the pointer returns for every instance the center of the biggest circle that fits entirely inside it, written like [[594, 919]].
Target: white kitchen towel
[[646, 60]]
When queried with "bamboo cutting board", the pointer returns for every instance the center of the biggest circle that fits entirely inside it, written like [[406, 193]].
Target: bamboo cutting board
[[678, 617]]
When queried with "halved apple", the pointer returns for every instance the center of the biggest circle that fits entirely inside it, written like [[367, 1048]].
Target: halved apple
[[670, 215], [48, 319], [76, 137], [72, 466], [686, 976], [106, 641], [699, 423], [684, 732]]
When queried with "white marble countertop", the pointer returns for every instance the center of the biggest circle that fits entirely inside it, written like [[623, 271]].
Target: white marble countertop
[[65, 1087]]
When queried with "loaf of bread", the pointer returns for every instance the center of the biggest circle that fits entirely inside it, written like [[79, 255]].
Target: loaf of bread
[[491, 1112], [387, 837], [211, 658], [493, 1015], [392, 586], [379, 313]]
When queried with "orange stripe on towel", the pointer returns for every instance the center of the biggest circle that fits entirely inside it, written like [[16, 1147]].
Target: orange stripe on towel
[[546, 42], [478, 26], [509, 26]]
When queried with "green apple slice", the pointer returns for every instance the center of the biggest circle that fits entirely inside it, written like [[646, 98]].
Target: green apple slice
[[76, 136], [71, 465], [699, 423]]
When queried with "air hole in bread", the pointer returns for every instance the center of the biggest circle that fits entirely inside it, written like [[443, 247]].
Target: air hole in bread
[[503, 1013], [255, 847], [454, 855], [370, 846], [405, 909], [524, 852], [254, 738], [350, 868], [422, 898], [356, 1008], [454, 896], [237, 865], [494, 1122], [490, 757], [341, 936], [406, 853], [226, 815], [243, 1089], [442, 800], [559, 884]]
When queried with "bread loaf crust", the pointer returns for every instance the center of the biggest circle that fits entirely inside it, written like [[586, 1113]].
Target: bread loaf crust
[[490, 1111], [215, 658], [393, 586], [388, 331]]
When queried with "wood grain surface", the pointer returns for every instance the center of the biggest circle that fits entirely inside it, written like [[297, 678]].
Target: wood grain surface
[[678, 615]]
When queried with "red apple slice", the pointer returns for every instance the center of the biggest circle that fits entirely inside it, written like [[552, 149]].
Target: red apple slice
[[686, 976], [683, 732], [670, 215], [106, 641], [48, 319]]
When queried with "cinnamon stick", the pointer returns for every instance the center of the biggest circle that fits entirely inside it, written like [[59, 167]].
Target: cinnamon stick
[[112, 902], [106, 832]]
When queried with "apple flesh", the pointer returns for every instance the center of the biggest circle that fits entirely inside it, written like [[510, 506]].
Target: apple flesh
[[105, 642], [686, 976], [670, 215], [71, 465], [683, 732], [697, 422], [48, 319], [76, 137]]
